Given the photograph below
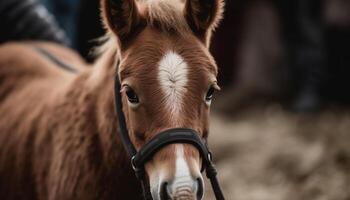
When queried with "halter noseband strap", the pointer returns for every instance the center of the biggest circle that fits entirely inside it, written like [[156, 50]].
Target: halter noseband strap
[[171, 136]]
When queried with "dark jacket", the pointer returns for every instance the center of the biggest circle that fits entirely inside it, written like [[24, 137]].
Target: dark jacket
[[28, 20]]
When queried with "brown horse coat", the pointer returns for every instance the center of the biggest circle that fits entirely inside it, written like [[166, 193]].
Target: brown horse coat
[[57, 130]]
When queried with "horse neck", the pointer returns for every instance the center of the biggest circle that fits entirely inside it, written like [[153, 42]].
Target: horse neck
[[85, 110], [100, 82]]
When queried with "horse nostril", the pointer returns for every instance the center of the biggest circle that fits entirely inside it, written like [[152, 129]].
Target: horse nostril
[[164, 193], [200, 188], [182, 188]]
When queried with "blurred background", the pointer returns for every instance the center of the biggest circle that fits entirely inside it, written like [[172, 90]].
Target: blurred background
[[280, 127]]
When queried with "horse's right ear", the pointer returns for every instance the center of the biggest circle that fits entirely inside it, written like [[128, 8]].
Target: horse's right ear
[[121, 16]]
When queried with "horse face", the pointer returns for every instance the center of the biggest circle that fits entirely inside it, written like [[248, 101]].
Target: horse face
[[168, 83], [168, 79]]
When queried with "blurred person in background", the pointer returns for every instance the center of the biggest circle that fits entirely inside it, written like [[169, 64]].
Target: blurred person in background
[[29, 20], [304, 35], [295, 50], [314, 31], [81, 21], [66, 13]]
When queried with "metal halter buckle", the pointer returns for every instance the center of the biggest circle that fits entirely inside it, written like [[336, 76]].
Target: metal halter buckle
[[210, 156], [133, 164]]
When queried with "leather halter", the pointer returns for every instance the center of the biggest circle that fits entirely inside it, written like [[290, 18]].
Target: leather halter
[[171, 136]]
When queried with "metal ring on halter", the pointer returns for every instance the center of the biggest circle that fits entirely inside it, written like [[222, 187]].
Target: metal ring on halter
[[139, 172], [133, 163], [210, 156]]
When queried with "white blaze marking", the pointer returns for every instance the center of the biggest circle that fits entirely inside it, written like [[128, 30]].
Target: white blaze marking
[[173, 79], [182, 173], [173, 72]]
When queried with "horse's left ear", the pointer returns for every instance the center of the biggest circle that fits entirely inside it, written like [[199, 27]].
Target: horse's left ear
[[203, 16]]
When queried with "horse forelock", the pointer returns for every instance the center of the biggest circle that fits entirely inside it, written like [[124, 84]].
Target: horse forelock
[[166, 15]]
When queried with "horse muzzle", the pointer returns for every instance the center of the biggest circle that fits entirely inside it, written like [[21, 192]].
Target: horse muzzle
[[182, 188]]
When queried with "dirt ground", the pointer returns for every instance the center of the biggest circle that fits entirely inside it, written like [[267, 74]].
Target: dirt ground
[[271, 154]]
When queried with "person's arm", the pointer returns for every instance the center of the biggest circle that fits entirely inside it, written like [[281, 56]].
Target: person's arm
[[28, 20]]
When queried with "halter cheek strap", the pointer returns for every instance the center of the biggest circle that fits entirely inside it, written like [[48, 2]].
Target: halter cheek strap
[[171, 136]]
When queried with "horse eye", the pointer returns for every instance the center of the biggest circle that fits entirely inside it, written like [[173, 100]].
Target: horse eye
[[132, 96], [210, 94]]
